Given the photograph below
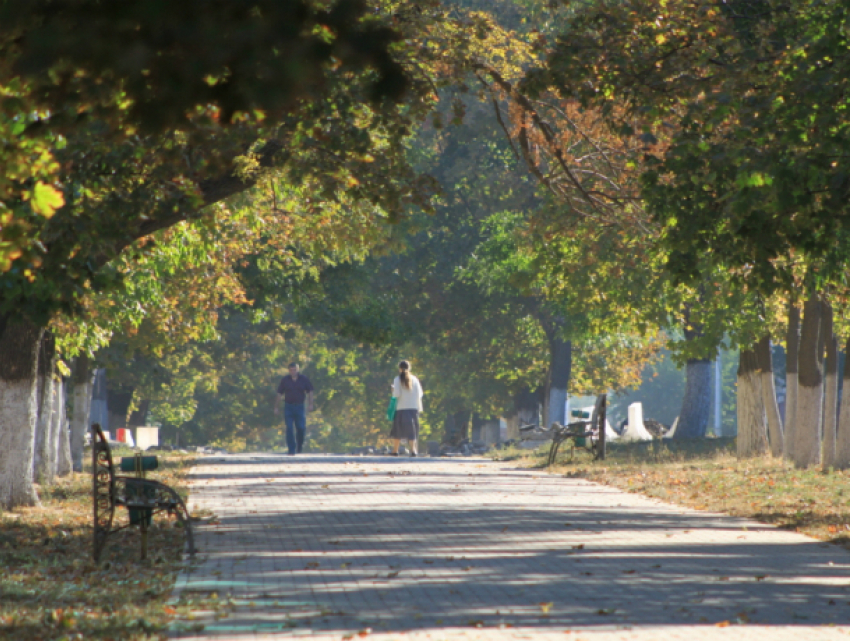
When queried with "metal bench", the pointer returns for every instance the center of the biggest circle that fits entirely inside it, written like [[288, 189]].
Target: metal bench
[[142, 497], [589, 434]]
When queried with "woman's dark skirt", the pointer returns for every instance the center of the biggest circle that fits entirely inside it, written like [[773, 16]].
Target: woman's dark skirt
[[406, 425]]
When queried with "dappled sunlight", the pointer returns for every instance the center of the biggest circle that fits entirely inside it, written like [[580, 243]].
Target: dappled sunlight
[[344, 543]]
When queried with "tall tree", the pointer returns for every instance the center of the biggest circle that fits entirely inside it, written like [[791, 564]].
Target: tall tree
[[806, 447]]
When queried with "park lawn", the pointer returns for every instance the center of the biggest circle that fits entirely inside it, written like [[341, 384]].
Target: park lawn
[[51, 589], [706, 475]]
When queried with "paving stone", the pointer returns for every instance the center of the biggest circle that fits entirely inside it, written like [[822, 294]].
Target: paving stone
[[433, 549]]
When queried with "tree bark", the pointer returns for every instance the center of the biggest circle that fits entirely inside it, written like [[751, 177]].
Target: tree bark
[[456, 427], [806, 448], [118, 404], [527, 406], [830, 401], [139, 416], [842, 440], [696, 403], [19, 344], [82, 382], [792, 350], [512, 421], [64, 465], [560, 369], [44, 467], [764, 358], [752, 422]]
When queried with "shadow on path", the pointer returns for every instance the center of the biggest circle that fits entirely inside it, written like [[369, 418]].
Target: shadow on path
[[344, 543]]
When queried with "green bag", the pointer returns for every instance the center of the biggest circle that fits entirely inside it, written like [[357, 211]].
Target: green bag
[[391, 408]]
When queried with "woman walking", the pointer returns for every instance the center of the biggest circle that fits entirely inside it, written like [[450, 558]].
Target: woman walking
[[408, 392]]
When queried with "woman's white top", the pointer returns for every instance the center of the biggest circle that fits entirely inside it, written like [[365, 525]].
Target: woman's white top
[[408, 399]]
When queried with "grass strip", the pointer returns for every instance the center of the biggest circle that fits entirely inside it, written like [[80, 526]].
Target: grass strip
[[705, 474]]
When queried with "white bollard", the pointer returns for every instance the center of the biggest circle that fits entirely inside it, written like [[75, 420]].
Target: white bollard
[[635, 430]]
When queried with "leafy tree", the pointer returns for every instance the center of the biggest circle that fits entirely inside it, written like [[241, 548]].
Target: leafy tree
[[125, 179]]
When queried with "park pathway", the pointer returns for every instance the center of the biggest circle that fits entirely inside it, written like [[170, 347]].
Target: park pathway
[[336, 547]]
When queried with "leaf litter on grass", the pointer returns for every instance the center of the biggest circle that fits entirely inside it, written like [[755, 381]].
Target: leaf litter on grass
[[51, 589], [705, 475]]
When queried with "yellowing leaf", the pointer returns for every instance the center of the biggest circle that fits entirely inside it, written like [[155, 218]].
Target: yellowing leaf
[[46, 199], [63, 368]]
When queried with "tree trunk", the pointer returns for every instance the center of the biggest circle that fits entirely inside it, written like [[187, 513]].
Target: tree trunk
[[764, 357], [792, 350], [456, 427], [560, 369], [64, 465], [477, 425], [512, 421], [39, 451], [139, 417], [752, 422], [527, 406], [806, 448], [118, 404], [19, 343], [82, 382], [696, 403], [98, 410], [830, 401], [842, 440], [44, 461]]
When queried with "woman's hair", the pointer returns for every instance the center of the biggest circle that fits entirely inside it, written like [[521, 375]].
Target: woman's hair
[[404, 374]]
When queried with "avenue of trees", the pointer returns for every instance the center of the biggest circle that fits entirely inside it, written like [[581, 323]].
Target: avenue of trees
[[524, 198]]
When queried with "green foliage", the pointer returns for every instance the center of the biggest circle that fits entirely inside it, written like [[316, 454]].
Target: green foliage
[[740, 111], [154, 65]]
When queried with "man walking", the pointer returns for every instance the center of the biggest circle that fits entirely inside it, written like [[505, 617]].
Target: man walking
[[297, 393]]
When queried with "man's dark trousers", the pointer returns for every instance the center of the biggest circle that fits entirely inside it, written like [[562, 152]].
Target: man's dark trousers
[[295, 416]]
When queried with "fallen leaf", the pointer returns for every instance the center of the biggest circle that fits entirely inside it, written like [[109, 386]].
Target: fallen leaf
[[722, 624], [545, 607]]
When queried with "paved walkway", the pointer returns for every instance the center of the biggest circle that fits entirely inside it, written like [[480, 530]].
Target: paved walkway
[[335, 547]]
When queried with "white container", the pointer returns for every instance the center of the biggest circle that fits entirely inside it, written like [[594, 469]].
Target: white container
[[147, 437]]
